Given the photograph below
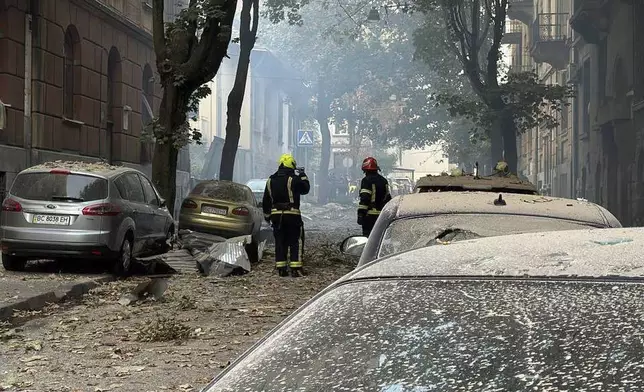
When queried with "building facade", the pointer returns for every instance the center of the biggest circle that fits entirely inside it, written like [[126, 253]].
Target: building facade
[[76, 82], [597, 152], [269, 118]]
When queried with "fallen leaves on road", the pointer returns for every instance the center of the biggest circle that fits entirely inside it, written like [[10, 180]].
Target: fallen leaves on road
[[164, 329], [177, 342]]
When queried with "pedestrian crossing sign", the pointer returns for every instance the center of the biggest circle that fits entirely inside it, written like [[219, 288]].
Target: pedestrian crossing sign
[[305, 138]]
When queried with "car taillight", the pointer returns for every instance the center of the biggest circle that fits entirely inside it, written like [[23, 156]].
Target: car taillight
[[105, 209], [59, 171], [11, 205], [241, 211], [189, 204]]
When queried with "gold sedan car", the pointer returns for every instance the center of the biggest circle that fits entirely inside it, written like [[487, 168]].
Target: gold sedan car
[[222, 208]]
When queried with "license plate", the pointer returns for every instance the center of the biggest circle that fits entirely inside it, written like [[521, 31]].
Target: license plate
[[214, 210], [60, 220]]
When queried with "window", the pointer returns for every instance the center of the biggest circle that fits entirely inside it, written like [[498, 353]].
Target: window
[[147, 114], [280, 122], [71, 53], [59, 187], [150, 194], [423, 231], [206, 134], [130, 188]]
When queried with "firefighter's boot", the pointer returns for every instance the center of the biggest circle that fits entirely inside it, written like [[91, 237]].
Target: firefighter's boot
[[282, 271], [297, 272]]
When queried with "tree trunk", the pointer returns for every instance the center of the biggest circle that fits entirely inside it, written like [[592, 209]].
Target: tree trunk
[[164, 161], [322, 117], [496, 146], [509, 134], [248, 36]]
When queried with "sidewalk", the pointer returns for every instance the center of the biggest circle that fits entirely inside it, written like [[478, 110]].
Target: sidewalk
[[33, 291]]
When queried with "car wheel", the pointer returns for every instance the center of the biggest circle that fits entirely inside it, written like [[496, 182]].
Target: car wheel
[[167, 242], [123, 264], [13, 263], [252, 250]]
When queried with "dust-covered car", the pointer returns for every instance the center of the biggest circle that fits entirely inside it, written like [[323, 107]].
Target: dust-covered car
[[82, 210], [257, 187], [432, 218], [470, 182], [528, 312], [222, 208]]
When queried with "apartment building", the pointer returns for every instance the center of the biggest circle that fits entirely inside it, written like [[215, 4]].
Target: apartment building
[[76, 82], [597, 151], [270, 118]]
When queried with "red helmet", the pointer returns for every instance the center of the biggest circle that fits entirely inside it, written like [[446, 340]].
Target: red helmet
[[370, 164]]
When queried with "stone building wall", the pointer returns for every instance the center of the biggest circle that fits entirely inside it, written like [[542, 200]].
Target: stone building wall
[[88, 65]]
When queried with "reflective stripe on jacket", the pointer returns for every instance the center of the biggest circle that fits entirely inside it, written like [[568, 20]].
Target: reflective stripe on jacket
[[283, 191], [374, 194]]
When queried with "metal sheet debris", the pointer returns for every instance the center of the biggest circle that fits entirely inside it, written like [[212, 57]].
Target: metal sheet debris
[[218, 256]]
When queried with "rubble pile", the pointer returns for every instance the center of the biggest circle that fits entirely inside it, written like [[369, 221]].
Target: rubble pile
[[90, 167]]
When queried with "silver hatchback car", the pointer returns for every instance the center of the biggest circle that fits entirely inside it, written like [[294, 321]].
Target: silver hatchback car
[[83, 210]]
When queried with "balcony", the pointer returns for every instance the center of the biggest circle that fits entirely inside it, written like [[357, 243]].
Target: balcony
[[522, 10], [591, 20], [549, 40], [513, 32]]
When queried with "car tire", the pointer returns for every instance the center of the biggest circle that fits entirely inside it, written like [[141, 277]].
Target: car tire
[[13, 263], [123, 263], [252, 250], [165, 247]]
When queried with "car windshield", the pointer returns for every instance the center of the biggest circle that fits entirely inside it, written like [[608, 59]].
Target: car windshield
[[418, 232], [257, 185], [59, 187], [431, 335], [220, 190]]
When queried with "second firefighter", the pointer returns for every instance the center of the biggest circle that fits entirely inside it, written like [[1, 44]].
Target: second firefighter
[[281, 205], [374, 194]]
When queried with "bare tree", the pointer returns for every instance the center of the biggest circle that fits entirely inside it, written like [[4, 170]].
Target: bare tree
[[247, 39]]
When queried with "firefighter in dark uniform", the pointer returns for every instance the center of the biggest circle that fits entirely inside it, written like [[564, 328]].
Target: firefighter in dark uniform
[[374, 194], [281, 205]]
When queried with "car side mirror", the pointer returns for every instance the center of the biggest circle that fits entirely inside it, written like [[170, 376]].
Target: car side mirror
[[353, 246], [162, 203]]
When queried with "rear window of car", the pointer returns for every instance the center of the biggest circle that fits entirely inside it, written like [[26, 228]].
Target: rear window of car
[[257, 186], [59, 187], [419, 232], [228, 191], [446, 335]]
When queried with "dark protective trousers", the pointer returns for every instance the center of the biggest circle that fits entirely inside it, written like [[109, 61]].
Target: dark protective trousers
[[289, 244], [368, 222]]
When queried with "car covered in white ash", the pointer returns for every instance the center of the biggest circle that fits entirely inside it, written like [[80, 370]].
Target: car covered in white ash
[[90, 211], [547, 311], [469, 182], [433, 218]]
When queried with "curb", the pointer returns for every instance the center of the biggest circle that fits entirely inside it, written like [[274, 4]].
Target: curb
[[37, 302]]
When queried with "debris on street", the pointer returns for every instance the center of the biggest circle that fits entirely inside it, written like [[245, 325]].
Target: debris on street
[[177, 333], [208, 254], [152, 290]]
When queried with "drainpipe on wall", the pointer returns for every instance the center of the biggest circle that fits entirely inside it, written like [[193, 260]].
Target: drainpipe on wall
[[28, 62]]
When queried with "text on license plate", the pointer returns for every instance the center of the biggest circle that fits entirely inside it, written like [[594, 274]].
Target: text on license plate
[[61, 220], [214, 210]]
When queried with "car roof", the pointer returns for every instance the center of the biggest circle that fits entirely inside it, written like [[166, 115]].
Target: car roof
[[100, 169], [574, 253], [222, 183], [508, 183], [430, 203]]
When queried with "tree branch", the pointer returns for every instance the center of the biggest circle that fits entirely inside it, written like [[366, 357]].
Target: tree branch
[[158, 30], [207, 55], [493, 54]]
